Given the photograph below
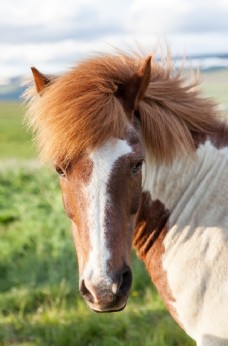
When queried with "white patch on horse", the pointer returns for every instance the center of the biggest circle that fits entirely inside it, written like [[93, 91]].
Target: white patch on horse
[[196, 257], [103, 159]]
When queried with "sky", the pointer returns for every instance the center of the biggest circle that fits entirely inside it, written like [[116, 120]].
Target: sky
[[54, 34]]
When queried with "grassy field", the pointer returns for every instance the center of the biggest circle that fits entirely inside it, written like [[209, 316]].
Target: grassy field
[[39, 299], [215, 84], [15, 142]]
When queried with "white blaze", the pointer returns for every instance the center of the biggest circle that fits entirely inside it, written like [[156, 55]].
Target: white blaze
[[104, 159]]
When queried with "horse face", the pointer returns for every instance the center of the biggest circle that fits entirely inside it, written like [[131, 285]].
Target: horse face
[[101, 192], [101, 195]]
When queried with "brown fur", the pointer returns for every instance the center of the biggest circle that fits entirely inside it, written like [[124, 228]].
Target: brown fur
[[121, 209], [151, 229], [80, 109], [75, 205], [41, 81]]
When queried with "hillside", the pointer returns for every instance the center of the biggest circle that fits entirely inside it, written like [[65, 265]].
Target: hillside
[[12, 89]]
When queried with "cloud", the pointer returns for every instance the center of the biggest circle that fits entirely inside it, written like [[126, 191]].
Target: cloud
[[51, 34], [41, 21], [149, 17], [207, 16], [49, 21], [178, 16], [77, 31]]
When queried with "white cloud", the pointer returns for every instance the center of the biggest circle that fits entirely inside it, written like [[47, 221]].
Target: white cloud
[[165, 17], [161, 16], [25, 12], [51, 34]]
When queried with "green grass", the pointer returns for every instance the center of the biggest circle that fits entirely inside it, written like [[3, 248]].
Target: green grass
[[215, 85], [39, 299], [15, 141]]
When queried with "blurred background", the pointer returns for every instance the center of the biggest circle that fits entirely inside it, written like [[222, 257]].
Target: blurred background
[[39, 300]]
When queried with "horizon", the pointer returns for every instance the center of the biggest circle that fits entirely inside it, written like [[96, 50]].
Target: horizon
[[11, 89]]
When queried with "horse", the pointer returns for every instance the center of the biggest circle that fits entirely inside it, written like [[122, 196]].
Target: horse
[[142, 159]]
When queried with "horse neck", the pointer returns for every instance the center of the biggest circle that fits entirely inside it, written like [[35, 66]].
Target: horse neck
[[182, 226], [176, 201], [187, 182], [184, 193]]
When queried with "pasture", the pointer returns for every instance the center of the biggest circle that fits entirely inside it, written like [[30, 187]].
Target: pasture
[[39, 299]]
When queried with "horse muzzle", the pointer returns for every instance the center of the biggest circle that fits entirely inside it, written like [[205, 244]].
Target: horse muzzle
[[107, 295]]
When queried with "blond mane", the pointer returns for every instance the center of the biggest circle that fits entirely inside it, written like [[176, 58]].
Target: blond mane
[[79, 109]]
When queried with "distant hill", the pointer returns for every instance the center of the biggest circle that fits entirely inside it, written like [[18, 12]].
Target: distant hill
[[13, 89]]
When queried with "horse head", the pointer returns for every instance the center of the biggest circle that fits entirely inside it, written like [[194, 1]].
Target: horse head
[[101, 191]]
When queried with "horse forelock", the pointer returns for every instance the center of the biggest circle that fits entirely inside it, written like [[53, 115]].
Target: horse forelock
[[80, 110]]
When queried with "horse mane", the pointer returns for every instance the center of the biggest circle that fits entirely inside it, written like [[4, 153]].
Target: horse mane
[[79, 109]]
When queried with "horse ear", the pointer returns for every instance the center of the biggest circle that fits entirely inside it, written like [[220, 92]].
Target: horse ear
[[133, 91], [41, 81]]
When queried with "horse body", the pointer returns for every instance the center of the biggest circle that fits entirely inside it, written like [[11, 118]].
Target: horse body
[[141, 158], [194, 252]]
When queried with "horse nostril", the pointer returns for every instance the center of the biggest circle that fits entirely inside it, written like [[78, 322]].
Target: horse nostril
[[125, 282], [85, 292]]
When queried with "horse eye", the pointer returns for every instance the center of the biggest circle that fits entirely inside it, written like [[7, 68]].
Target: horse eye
[[137, 167], [60, 171]]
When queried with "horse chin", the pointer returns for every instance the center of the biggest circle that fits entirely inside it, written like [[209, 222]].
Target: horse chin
[[108, 311]]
